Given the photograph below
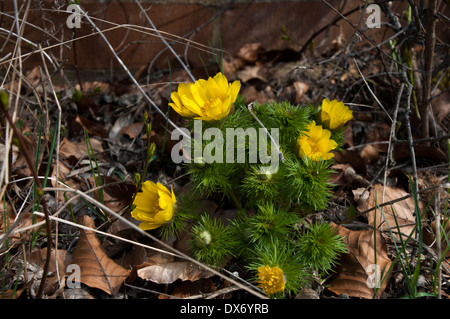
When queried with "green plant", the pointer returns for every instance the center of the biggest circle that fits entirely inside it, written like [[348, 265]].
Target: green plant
[[272, 162], [211, 242], [321, 246]]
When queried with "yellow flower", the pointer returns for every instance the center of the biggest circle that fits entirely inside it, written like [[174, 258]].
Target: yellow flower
[[334, 114], [271, 279], [316, 143], [207, 100], [154, 206]]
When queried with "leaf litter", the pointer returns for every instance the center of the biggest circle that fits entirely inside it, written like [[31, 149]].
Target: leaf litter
[[113, 119]]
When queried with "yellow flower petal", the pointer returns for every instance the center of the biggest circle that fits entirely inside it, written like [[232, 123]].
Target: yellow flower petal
[[334, 114], [154, 206], [316, 143], [179, 107], [208, 100]]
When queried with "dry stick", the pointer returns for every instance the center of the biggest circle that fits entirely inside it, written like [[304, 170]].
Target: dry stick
[[379, 51], [132, 78], [103, 207], [165, 245], [40, 194], [333, 22], [408, 128], [430, 41], [437, 200], [371, 92], [103, 234], [391, 137], [165, 42], [19, 136]]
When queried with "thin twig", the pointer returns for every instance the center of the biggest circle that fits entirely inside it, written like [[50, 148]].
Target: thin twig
[[40, 195], [165, 42], [430, 41], [132, 78]]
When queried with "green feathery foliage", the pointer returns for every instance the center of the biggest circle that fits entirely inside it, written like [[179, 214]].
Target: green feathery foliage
[[309, 182], [320, 246], [211, 242]]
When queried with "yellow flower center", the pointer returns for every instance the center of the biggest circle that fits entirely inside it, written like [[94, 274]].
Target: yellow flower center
[[271, 279]]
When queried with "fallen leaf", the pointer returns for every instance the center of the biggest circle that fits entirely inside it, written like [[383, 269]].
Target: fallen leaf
[[120, 124], [252, 94], [355, 275], [300, 88], [133, 130], [337, 176], [59, 260], [167, 273], [352, 158], [24, 220], [116, 194], [370, 154], [423, 152], [401, 211], [192, 288], [250, 52], [253, 72], [361, 195], [94, 128], [97, 269], [70, 180], [74, 151]]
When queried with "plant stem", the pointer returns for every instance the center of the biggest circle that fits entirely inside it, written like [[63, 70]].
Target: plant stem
[[430, 40], [235, 199], [40, 194]]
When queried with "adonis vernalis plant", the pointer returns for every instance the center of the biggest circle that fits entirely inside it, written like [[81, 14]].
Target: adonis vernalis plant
[[154, 206], [207, 100], [272, 161]]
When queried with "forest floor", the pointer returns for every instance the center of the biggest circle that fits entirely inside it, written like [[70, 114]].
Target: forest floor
[[98, 130]]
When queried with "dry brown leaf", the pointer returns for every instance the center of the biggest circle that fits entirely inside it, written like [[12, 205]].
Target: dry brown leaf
[[250, 52], [20, 166], [97, 269], [25, 221], [92, 127], [133, 130], [116, 194], [59, 260], [352, 158], [370, 154], [192, 288], [361, 195], [402, 152], [300, 88], [71, 180], [253, 72], [167, 273], [337, 177], [73, 152], [441, 105], [355, 275], [403, 210]]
